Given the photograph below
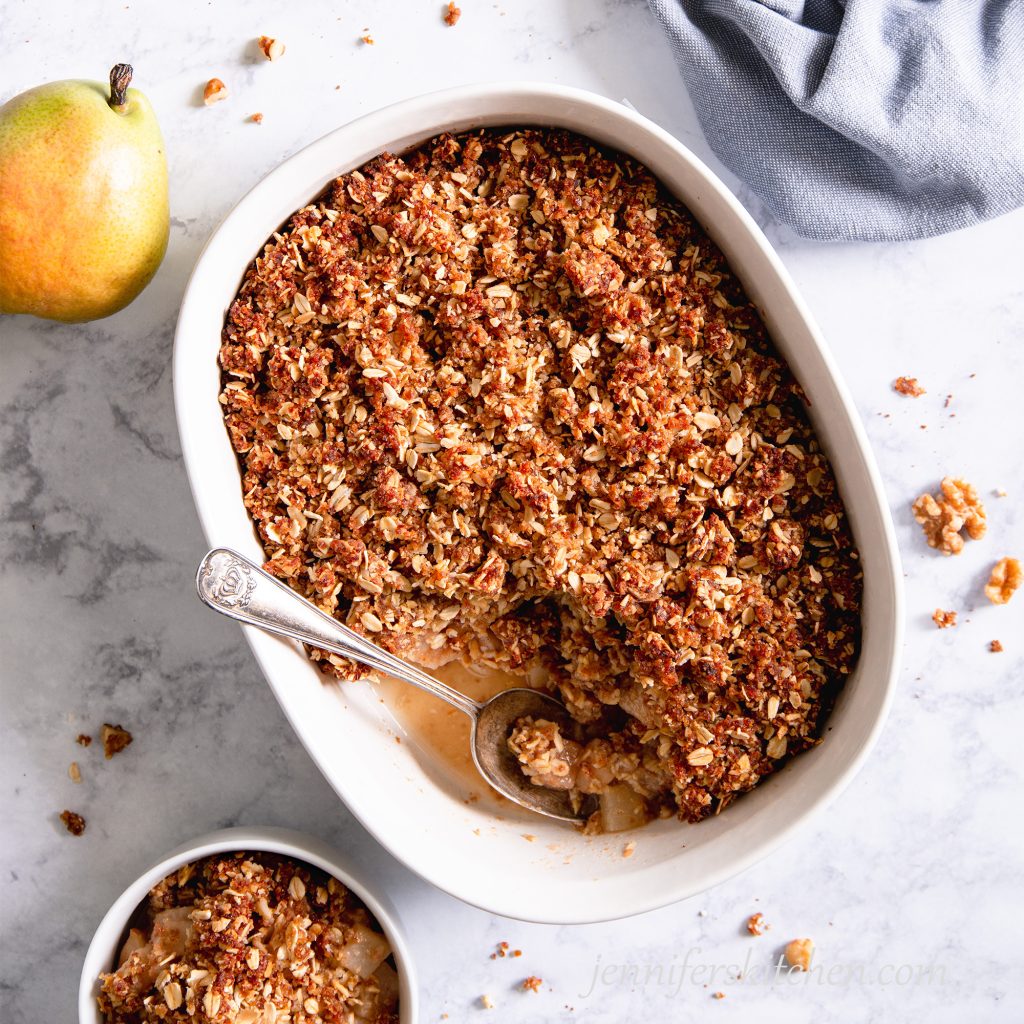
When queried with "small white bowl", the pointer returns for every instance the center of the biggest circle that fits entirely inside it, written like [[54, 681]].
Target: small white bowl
[[105, 945], [396, 792]]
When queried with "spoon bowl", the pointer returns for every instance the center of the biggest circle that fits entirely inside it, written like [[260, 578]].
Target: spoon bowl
[[240, 589]]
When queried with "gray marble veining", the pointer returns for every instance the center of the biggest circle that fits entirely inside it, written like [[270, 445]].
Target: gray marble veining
[[918, 865]]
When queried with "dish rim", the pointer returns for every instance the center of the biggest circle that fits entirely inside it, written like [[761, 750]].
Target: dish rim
[[428, 110]]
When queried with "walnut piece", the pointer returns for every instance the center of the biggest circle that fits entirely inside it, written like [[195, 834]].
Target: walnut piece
[[270, 48], [215, 91], [452, 15], [256, 118], [799, 953], [532, 983], [942, 517], [995, 647], [115, 739], [943, 619], [83, 740], [73, 822], [1005, 578], [908, 386]]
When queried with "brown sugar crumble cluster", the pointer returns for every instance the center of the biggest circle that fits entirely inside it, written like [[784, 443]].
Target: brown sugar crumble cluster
[[908, 386], [944, 516], [501, 399], [73, 822], [252, 939]]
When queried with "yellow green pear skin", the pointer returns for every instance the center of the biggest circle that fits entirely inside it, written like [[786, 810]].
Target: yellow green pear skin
[[84, 214]]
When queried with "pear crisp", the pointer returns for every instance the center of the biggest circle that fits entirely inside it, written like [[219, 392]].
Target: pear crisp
[[252, 939], [501, 399]]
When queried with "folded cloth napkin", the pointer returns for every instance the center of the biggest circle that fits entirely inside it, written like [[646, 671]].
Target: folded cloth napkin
[[868, 119]]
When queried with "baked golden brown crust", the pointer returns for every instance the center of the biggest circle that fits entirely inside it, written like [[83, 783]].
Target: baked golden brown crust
[[501, 399]]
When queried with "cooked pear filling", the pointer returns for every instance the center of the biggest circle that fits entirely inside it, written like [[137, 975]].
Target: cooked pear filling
[[500, 399]]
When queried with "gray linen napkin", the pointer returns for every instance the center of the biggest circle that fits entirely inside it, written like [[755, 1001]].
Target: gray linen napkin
[[861, 119]]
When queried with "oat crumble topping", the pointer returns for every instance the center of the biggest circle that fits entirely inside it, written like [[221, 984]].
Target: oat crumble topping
[[1004, 580], [943, 619], [943, 516], [73, 822], [252, 939], [501, 399]]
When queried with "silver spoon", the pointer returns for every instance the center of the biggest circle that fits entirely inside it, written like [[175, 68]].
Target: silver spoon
[[236, 587]]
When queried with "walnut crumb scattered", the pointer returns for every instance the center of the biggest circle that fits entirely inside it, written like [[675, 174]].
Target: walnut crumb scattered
[[270, 48], [532, 983], [908, 386], [995, 647], [74, 772], [717, 995], [256, 118], [487, 1002], [799, 953], [83, 740], [756, 924], [501, 952], [452, 15], [943, 619], [367, 39], [942, 517], [115, 739], [73, 822], [215, 91], [1004, 580]]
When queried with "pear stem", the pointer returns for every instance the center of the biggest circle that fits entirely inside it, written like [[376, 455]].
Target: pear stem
[[120, 79]]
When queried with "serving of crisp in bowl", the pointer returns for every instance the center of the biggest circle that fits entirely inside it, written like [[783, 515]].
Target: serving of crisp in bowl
[[507, 380]]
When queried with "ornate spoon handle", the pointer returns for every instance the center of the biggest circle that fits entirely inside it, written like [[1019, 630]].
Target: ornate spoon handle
[[236, 587]]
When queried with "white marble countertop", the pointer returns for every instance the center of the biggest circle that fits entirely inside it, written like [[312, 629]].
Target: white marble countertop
[[918, 864]]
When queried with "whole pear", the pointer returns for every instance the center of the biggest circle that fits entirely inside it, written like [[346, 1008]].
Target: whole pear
[[84, 212]]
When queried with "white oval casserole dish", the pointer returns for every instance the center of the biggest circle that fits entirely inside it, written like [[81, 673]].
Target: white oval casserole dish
[[106, 942], [559, 876]]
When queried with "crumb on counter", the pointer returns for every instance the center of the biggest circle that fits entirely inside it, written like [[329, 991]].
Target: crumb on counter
[[256, 118], [214, 92], [717, 995], [366, 40], [629, 849], [487, 1002], [799, 953], [757, 925], [74, 772], [532, 983], [943, 516], [944, 619], [270, 48], [1005, 578], [996, 647], [83, 740], [115, 739], [452, 14], [73, 822], [908, 386]]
